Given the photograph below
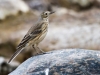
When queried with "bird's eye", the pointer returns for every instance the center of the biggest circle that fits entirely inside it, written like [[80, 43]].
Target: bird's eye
[[45, 13]]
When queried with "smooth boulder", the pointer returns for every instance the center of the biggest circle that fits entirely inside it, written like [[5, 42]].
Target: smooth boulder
[[62, 62]]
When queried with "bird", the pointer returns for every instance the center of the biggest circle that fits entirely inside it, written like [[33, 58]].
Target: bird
[[35, 34]]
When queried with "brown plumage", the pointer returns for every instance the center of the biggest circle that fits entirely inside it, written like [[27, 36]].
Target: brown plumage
[[35, 35]]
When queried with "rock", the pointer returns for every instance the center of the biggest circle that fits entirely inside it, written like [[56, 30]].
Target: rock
[[62, 62], [82, 3], [2, 59], [69, 29], [40, 5], [12, 7], [76, 4], [72, 37], [5, 68]]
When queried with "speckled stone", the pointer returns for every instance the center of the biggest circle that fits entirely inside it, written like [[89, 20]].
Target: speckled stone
[[62, 62]]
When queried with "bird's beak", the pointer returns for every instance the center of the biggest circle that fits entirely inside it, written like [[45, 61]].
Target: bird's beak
[[52, 12]]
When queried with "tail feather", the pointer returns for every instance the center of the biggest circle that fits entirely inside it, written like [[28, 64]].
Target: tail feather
[[15, 54]]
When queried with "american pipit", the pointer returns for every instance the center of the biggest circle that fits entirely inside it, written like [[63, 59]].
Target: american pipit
[[35, 35]]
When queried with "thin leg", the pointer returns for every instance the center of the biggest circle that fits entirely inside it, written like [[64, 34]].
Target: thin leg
[[35, 49], [41, 50]]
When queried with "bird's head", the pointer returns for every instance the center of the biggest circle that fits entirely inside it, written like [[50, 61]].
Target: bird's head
[[46, 14]]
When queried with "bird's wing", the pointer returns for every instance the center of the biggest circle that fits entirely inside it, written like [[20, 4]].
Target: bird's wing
[[32, 33]]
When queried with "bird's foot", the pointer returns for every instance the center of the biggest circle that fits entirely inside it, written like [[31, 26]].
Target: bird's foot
[[42, 53]]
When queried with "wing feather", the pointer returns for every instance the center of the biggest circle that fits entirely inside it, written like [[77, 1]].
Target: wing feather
[[31, 34]]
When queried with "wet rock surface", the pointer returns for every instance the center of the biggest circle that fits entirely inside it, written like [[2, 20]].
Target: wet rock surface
[[62, 62]]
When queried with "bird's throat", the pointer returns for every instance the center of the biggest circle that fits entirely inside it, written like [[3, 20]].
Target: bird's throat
[[45, 19]]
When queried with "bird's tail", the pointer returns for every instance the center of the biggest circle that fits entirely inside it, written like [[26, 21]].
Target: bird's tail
[[15, 54]]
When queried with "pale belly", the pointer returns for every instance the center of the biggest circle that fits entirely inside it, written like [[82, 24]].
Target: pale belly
[[37, 40], [42, 37]]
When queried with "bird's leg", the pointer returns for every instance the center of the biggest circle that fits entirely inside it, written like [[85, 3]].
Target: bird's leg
[[41, 50], [35, 49]]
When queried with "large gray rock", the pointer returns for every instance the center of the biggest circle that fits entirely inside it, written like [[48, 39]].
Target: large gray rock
[[62, 62]]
